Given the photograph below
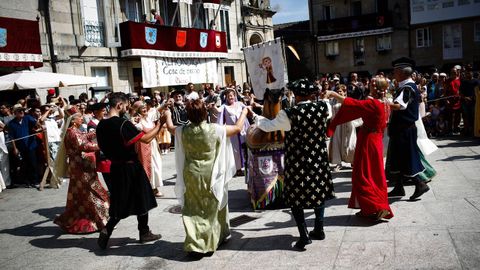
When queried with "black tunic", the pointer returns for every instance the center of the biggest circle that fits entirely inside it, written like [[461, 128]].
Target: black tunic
[[308, 182], [131, 192]]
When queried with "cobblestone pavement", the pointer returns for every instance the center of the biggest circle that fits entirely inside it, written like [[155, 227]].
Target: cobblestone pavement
[[441, 231]]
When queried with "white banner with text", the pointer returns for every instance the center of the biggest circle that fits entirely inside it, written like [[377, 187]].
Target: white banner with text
[[177, 71]]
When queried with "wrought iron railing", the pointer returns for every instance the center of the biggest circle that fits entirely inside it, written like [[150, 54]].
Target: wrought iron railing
[[94, 34]]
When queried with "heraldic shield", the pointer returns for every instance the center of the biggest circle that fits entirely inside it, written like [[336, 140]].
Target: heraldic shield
[[203, 39], [181, 39], [218, 40], [3, 37], [151, 35]]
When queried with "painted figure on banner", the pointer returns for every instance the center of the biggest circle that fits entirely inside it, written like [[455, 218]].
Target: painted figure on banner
[[150, 35], [181, 39], [267, 66], [203, 39]]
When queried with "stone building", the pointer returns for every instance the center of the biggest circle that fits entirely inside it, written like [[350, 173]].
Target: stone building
[[365, 36], [445, 33], [84, 37], [360, 36]]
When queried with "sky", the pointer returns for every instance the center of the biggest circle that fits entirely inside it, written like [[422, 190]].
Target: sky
[[289, 10]]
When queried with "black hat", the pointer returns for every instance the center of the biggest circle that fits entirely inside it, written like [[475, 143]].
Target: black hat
[[176, 92], [403, 62], [302, 87], [96, 106]]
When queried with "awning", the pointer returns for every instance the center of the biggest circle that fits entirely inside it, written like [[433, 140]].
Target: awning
[[356, 34], [151, 40], [30, 79], [20, 43]]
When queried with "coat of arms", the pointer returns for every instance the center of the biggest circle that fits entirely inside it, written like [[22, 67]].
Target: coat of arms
[[3, 37], [265, 164], [218, 40], [151, 35], [181, 39], [203, 39]]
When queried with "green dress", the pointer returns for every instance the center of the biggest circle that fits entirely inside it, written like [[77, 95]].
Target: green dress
[[206, 224], [429, 171]]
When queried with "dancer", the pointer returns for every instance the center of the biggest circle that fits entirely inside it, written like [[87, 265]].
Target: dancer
[[131, 192], [403, 153], [369, 185], [87, 201], [205, 164], [229, 114], [308, 182]]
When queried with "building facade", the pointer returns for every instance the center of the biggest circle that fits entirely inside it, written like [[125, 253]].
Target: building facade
[[84, 37], [445, 33], [358, 36]]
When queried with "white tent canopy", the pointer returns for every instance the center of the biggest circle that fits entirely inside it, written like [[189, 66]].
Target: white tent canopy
[[30, 79]]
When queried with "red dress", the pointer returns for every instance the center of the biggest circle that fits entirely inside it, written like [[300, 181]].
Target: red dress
[[369, 185], [87, 201]]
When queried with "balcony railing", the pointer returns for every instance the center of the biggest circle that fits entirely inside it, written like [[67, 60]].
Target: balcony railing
[[354, 24], [94, 34]]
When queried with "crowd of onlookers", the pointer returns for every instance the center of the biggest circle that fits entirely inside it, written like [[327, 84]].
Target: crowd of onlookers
[[32, 132]]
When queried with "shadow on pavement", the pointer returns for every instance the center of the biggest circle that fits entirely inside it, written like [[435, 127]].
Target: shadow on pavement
[[272, 242], [459, 142], [462, 157]]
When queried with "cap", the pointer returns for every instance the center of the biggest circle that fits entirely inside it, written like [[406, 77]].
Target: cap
[[302, 87], [435, 74], [403, 62], [335, 78], [192, 96], [51, 91], [18, 107], [443, 74]]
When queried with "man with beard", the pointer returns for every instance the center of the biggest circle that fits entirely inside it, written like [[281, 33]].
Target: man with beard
[[179, 114], [131, 193]]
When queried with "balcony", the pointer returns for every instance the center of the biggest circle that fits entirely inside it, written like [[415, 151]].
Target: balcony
[[355, 26], [152, 40]]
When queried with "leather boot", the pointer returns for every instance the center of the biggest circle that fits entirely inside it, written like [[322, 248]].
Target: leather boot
[[398, 190], [420, 188], [304, 238], [317, 233], [149, 237]]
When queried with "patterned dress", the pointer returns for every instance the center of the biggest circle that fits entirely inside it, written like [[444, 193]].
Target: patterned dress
[[308, 182], [87, 201]]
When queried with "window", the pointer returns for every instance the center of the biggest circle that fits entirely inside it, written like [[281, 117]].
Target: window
[[199, 19], [356, 8], [134, 10], [93, 23], [452, 41], [359, 52], [476, 32], [331, 48], [384, 42], [225, 25], [447, 4], [424, 37], [167, 11], [463, 2], [328, 12]]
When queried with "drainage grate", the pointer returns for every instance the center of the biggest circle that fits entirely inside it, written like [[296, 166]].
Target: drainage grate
[[240, 220], [176, 209]]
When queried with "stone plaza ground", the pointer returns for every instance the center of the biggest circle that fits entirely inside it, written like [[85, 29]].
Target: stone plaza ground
[[440, 231]]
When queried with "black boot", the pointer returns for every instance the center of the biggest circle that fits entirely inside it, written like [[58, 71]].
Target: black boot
[[299, 217], [420, 188], [318, 233], [398, 190], [304, 238]]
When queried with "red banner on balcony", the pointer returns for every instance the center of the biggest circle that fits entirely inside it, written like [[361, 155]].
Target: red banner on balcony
[[19, 43], [143, 39]]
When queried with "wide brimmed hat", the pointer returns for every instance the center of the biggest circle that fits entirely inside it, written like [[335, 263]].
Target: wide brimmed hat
[[177, 91], [96, 106], [302, 87]]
